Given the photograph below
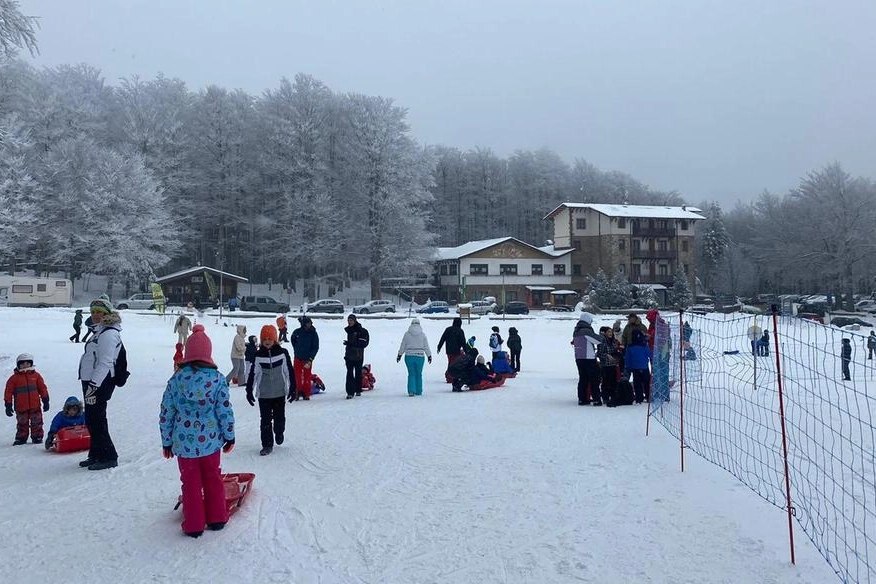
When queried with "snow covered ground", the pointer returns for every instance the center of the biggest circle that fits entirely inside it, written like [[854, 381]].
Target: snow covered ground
[[511, 485]]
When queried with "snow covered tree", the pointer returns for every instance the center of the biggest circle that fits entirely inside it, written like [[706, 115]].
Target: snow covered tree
[[600, 289], [621, 290], [388, 181], [17, 31], [19, 215], [107, 215], [646, 297], [681, 296], [713, 244]]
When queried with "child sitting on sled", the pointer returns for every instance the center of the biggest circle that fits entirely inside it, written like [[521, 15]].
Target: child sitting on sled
[[368, 379], [196, 422], [71, 415]]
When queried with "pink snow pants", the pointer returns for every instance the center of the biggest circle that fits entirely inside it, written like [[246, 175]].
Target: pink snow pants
[[203, 494]]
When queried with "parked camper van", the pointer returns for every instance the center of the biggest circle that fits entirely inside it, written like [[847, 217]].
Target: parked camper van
[[36, 292]]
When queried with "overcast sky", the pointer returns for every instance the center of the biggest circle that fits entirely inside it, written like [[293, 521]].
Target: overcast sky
[[714, 98]]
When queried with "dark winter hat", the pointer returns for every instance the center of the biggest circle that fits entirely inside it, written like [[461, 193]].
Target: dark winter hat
[[512, 330], [846, 341], [78, 311], [457, 321], [353, 317], [495, 329]]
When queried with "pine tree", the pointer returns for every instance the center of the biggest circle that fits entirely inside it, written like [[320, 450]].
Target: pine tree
[[600, 290], [681, 296], [647, 298], [621, 290], [715, 242]]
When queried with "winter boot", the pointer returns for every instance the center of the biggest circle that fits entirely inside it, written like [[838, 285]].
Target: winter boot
[[358, 393], [104, 465], [266, 450], [19, 441], [87, 462], [216, 526], [194, 533], [349, 397], [36, 440], [278, 438]]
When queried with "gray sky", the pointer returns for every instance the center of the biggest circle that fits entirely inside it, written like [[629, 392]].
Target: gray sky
[[714, 98]]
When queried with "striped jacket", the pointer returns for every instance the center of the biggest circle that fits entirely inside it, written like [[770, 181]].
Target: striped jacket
[[26, 389], [271, 374]]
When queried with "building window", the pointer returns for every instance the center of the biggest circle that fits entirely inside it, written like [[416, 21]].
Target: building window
[[510, 295], [637, 270], [577, 244], [622, 268], [452, 269], [580, 224], [663, 224], [622, 244], [576, 269], [637, 245], [559, 269], [41, 287], [479, 270], [442, 270], [537, 269], [662, 245], [509, 269], [683, 245], [684, 224], [663, 270], [622, 223]]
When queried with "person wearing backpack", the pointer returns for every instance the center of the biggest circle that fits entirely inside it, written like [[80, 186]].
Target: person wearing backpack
[[105, 373], [496, 341]]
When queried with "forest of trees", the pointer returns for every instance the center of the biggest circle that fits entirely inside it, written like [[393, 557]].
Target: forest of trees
[[147, 176]]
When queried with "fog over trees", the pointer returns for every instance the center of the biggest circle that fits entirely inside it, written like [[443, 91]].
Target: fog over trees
[[147, 176]]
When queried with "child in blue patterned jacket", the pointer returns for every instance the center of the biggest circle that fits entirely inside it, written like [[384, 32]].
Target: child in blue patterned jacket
[[196, 422]]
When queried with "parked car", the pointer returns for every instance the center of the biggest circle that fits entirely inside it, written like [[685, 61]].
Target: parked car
[[263, 304], [481, 307], [516, 307], [433, 307], [842, 321], [325, 305], [559, 307], [142, 301], [866, 306], [374, 306]]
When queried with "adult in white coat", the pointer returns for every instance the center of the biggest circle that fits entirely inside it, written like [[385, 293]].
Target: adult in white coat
[[415, 349]]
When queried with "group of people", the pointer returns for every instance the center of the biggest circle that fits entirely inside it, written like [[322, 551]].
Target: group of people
[[606, 363], [465, 364]]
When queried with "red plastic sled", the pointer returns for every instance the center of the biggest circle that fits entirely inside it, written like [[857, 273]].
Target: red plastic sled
[[72, 439], [237, 485], [487, 384]]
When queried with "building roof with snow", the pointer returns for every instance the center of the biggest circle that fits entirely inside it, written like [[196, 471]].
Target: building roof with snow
[[635, 211], [466, 249], [198, 269]]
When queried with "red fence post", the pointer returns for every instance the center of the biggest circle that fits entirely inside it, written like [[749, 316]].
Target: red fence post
[[784, 432]]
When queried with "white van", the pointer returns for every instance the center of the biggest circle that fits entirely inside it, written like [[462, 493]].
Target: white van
[[35, 292]]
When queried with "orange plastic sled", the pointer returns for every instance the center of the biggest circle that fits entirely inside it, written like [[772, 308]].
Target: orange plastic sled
[[237, 485], [72, 439]]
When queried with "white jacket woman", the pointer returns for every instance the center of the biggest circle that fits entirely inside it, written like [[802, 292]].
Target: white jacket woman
[[415, 349]]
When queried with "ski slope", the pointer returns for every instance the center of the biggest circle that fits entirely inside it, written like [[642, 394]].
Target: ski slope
[[511, 485]]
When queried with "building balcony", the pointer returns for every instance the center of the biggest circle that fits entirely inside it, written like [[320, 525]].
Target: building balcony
[[652, 232], [666, 254], [648, 279]]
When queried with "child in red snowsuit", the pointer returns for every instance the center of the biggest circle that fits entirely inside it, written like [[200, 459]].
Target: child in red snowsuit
[[368, 379], [25, 389]]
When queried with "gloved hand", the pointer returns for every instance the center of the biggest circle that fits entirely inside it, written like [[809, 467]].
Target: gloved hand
[[46, 405], [50, 439], [429, 359], [228, 446], [91, 394], [292, 393], [397, 358], [9, 409], [345, 342], [308, 364], [250, 397], [167, 452]]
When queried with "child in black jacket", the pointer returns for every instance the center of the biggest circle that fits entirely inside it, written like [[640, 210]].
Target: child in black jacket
[[514, 347]]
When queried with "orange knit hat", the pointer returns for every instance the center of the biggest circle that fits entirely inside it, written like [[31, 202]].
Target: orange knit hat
[[268, 333]]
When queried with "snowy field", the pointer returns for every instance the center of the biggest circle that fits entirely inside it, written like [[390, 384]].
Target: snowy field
[[511, 485]]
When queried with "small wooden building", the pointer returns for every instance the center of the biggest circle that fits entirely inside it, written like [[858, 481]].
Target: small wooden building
[[199, 285]]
